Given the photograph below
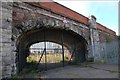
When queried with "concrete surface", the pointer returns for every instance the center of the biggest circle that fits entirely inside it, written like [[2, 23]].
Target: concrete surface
[[76, 71]]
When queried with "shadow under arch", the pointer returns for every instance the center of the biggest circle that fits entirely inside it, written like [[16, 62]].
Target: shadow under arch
[[73, 41]]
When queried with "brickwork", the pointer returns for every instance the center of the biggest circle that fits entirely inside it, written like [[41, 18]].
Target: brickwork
[[20, 18], [68, 12], [6, 32]]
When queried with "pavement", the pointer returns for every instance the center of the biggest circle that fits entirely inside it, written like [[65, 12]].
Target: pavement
[[86, 71]]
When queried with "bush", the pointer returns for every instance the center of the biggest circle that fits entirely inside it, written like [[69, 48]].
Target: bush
[[91, 59]]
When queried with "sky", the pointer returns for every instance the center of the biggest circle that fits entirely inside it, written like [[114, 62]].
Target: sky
[[106, 12], [49, 45]]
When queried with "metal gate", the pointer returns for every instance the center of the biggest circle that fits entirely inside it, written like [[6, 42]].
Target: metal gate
[[49, 55], [48, 58]]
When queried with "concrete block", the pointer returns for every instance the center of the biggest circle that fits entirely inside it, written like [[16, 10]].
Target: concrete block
[[6, 73], [4, 10], [5, 24], [5, 53], [7, 45], [6, 40], [0, 59], [7, 0], [7, 5], [6, 60], [6, 33], [7, 16]]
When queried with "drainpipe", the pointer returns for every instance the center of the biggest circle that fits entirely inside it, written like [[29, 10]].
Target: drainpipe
[[92, 43]]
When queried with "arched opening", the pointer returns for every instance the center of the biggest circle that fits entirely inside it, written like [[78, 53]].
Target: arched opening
[[53, 57], [75, 43]]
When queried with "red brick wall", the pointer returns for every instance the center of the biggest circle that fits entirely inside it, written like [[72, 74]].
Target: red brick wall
[[63, 10], [101, 27], [70, 13], [22, 15]]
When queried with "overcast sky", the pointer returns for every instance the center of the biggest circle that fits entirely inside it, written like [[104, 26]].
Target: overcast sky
[[106, 12]]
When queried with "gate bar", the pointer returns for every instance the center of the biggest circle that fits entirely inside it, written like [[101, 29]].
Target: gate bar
[[74, 50], [45, 51], [62, 47], [41, 56], [71, 56]]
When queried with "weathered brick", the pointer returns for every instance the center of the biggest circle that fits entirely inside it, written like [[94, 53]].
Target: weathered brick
[[7, 5], [7, 15], [7, 44], [6, 33], [6, 60], [6, 71], [7, 0], [28, 12], [6, 40], [6, 25], [4, 10], [6, 53]]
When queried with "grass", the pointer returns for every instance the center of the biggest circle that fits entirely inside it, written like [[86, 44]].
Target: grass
[[51, 58]]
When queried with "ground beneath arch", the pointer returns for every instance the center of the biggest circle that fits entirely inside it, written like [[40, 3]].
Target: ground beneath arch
[[78, 71]]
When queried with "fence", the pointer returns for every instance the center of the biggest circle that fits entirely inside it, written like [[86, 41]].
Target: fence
[[109, 52]]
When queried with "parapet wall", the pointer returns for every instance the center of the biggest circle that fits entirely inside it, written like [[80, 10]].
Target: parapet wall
[[58, 8]]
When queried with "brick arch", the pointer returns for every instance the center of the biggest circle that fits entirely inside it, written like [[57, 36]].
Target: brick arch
[[48, 23], [32, 31]]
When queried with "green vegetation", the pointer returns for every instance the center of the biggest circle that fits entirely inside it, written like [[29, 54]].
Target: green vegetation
[[101, 61], [51, 58], [90, 59]]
